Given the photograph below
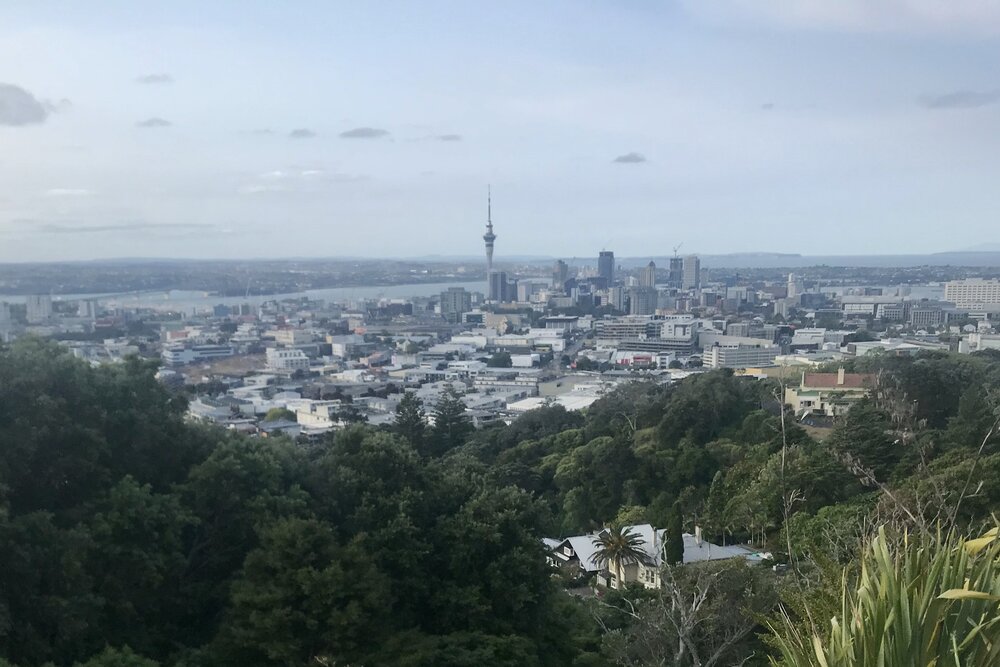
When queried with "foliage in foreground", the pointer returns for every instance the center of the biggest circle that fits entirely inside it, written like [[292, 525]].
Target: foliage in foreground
[[924, 600]]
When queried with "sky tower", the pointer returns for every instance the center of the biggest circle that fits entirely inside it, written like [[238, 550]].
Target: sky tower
[[489, 236]]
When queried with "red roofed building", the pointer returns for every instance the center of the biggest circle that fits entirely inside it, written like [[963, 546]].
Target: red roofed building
[[828, 394]]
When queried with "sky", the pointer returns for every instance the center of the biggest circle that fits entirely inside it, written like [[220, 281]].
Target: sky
[[323, 129]]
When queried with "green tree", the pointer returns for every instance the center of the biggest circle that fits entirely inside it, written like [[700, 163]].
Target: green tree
[[673, 538], [866, 437], [410, 422], [279, 414], [303, 598], [451, 424], [500, 360], [118, 657]]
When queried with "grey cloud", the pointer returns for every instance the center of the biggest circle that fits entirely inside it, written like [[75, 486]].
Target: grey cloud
[[301, 133], [961, 99], [154, 122], [364, 133], [767, 106], [19, 107], [449, 137], [155, 78], [630, 158]]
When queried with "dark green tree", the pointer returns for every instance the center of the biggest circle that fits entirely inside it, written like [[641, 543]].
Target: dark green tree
[[451, 424], [410, 422], [673, 538], [304, 599], [500, 360], [118, 657]]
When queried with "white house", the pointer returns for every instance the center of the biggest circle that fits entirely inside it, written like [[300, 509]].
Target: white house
[[577, 553]]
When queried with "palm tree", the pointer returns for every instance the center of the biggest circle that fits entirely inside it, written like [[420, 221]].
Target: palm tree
[[618, 547]]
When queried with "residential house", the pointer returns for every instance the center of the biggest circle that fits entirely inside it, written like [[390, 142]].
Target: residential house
[[828, 394], [577, 554]]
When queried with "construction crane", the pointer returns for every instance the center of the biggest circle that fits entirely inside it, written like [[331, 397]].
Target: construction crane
[[677, 247]]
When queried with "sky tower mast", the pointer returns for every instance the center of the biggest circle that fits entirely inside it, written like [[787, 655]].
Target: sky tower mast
[[489, 236]]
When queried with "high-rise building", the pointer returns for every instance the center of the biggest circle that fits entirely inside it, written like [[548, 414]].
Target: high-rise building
[[606, 266], [39, 308], [675, 277], [616, 298], [4, 313], [692, 272], [795, 286], [642, 300], [454, 302], [560, 273], [498, 286], [647, 276]]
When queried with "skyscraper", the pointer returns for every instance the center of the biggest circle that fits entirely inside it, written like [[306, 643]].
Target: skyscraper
[[642, 300], [454, 302], [675, 277], [498, 286], [560, 272], [647, 276], [692, 272], [606, 266]]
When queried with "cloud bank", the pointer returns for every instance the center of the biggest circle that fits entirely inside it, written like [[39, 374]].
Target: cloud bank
[[961, 99], [19, 107], [364, 133], [630, 158], [154, 122]]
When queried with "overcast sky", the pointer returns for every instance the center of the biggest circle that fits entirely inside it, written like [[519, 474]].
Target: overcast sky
[[256, 129]]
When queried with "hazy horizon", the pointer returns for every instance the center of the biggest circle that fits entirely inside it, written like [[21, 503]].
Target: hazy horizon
[[234, 130]]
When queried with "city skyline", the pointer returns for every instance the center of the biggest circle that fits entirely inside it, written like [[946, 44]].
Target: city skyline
[[144, 135]]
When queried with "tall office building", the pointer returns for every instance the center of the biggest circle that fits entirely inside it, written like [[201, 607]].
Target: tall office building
[[675, 277], [795, 286], [454, 302], [606, 266], [4, 313], [642, 300], [498, 286], [560, 274], [692, 272], [647, 276], [616, 298], [39, 308]]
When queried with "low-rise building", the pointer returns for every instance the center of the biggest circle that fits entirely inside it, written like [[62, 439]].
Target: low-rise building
[[740, 355], [286, 360], [828, 394], [179, 355]]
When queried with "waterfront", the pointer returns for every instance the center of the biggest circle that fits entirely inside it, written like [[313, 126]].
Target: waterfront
[[189, 301]]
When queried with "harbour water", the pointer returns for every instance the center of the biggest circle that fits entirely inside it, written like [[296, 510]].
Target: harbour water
[[188, 301]]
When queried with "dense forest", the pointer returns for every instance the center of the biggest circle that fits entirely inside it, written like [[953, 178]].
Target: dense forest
[[130, 536]]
